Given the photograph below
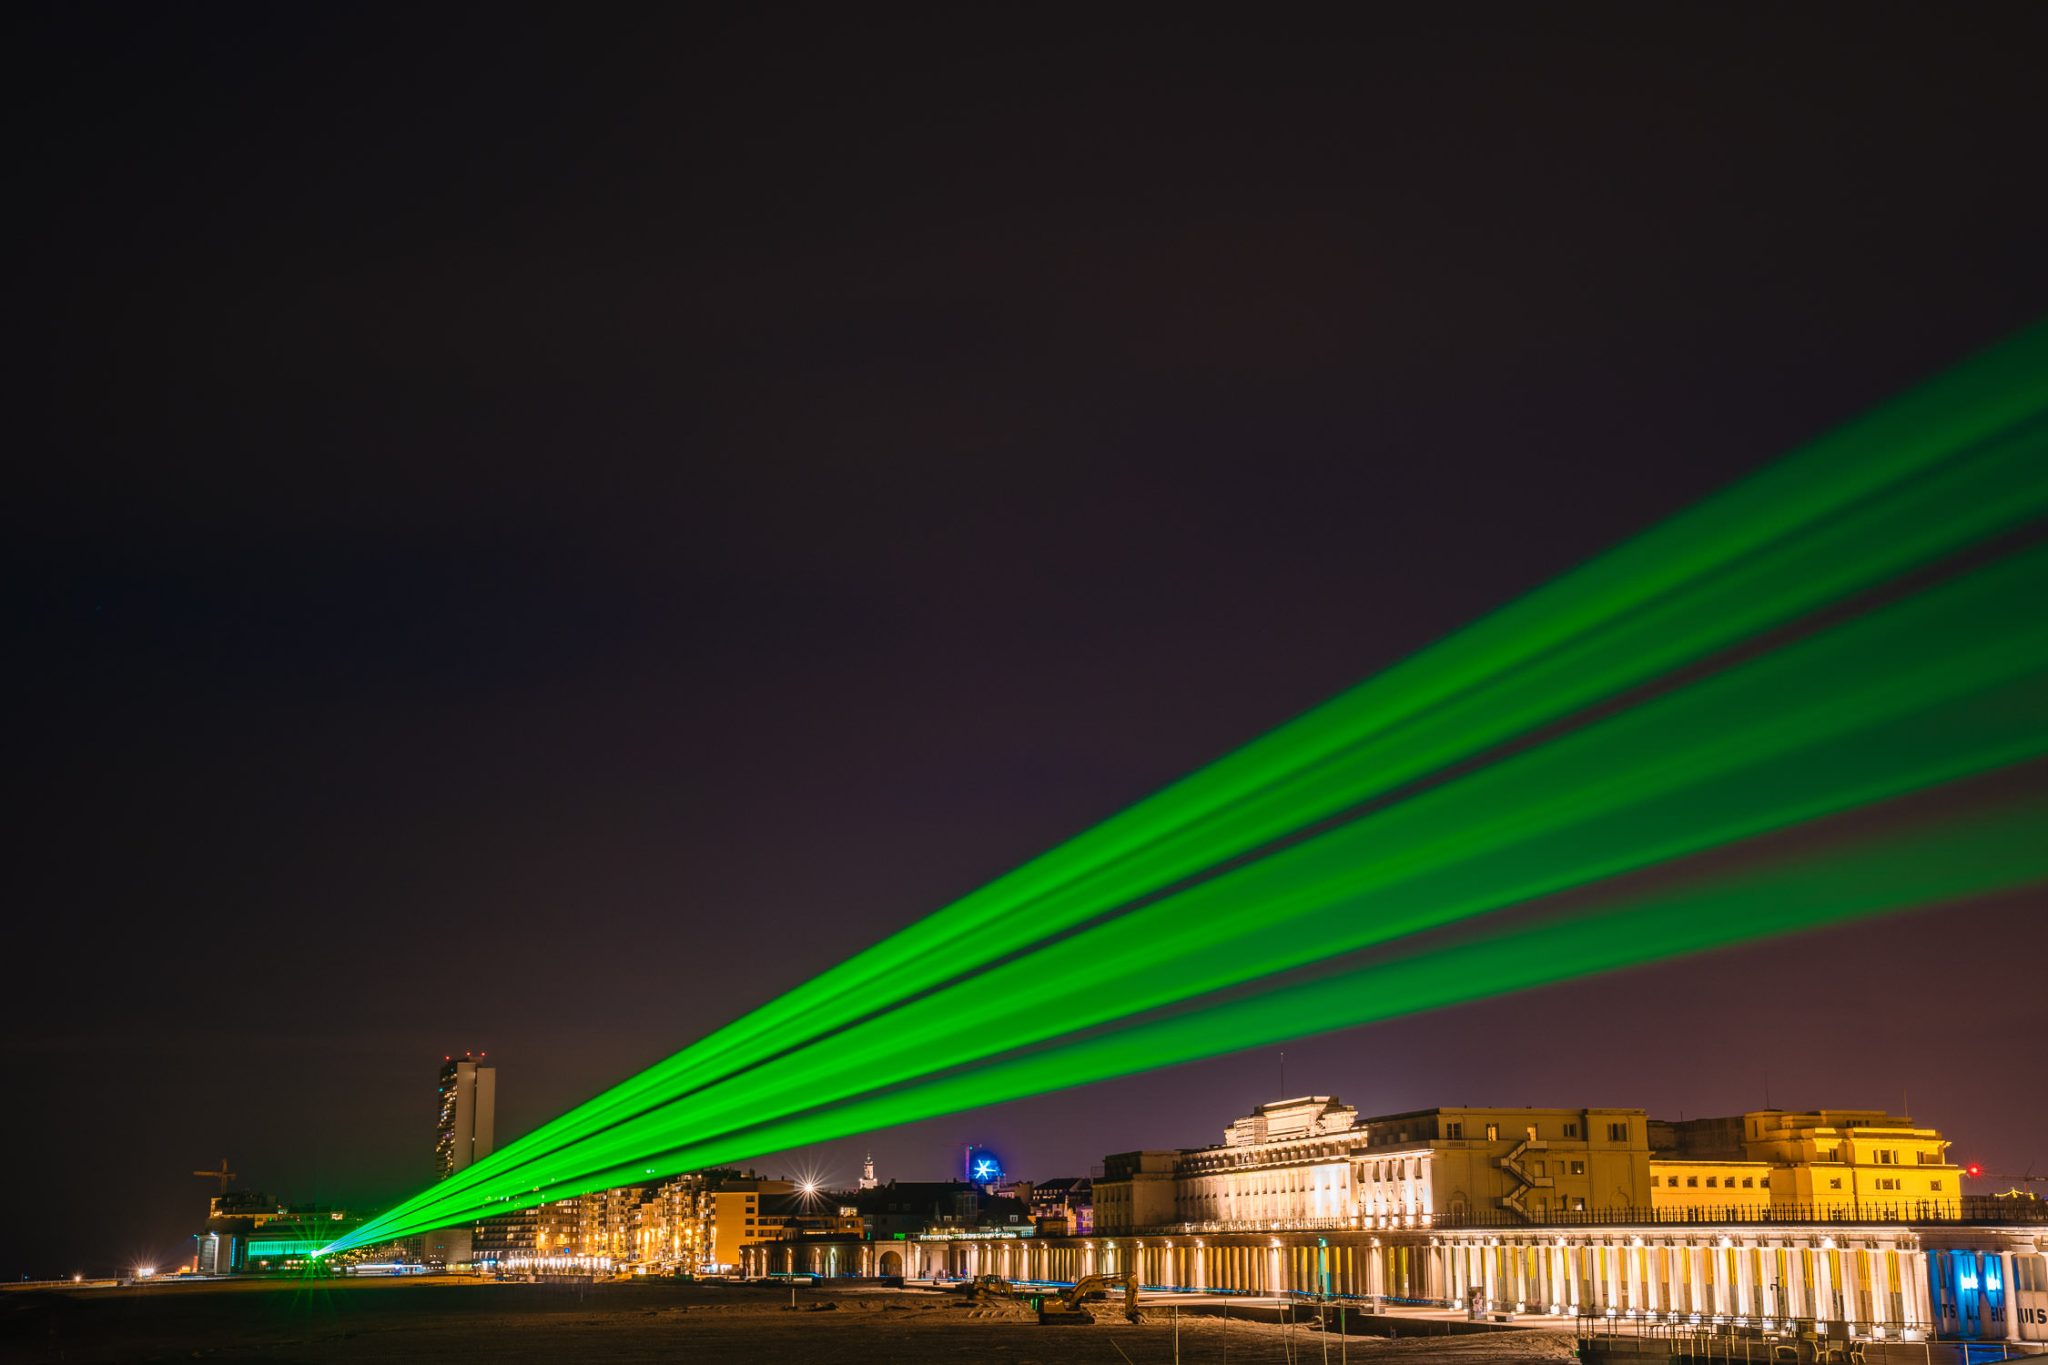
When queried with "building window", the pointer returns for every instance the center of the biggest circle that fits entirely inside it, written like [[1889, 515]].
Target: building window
[[1692, 1182], [1934, 1184], [1542, 1169], [1671, 1181], [1493, 1132], [1712, 1182], [1748, 1183], [1579, 1204], [1578, 1168], [1454, 1131], [1571, 1130], [1835, 1182], [1617, 1132]]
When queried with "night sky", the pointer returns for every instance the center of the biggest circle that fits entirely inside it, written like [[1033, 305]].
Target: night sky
[[538, 535]]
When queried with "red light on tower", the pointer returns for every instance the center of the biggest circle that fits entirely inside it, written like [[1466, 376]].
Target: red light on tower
[[1973, 1170]]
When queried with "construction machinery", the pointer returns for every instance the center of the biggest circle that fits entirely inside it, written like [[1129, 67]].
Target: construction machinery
[[223, 1175], [1067, 1306], [989, 1287], [1063, 1306]]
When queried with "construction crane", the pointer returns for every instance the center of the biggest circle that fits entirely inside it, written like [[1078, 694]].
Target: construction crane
[[223, 1175]]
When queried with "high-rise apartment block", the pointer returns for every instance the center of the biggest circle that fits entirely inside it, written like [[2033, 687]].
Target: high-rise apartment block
[[469, 1099]]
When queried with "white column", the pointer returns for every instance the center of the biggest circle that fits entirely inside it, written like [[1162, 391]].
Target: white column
[[1913, 1277], [2006, 1266], [1695, 1269]]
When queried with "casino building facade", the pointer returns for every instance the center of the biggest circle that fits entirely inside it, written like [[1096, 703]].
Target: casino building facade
[[1849, 1216]]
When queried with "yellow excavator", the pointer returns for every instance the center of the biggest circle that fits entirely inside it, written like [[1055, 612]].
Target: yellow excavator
[[989, 1287], [1069, 1300]]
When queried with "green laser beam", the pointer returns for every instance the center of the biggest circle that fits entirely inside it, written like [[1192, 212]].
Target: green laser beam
[[1999, 484], [1785, 737], [1930, 472], [1915, 870], [1973, 402]]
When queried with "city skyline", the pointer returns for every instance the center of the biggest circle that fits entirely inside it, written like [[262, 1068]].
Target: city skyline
[[550, 554]]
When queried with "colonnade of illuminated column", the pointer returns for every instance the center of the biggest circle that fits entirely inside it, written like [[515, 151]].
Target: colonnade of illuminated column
[[1873, 1277]]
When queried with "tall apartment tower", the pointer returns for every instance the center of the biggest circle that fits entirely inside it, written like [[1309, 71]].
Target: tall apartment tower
[[469, 1101]]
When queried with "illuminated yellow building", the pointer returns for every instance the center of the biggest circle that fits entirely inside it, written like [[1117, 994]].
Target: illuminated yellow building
[[1311, 1162], [1464, 1166], [688, 1224], [1850, 1218], [1710, 1189], [741, 1215], [636, 1229], [1828, 1164]]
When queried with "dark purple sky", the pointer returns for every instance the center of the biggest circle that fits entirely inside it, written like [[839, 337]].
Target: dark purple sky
[[538, 536]]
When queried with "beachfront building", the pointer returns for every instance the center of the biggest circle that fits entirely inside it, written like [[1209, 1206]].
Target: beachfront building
[[1541, 1211]]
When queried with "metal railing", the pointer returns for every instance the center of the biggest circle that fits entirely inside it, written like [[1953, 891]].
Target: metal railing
[[1970, 1209], [1782, 1341], [1967, 1210]]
